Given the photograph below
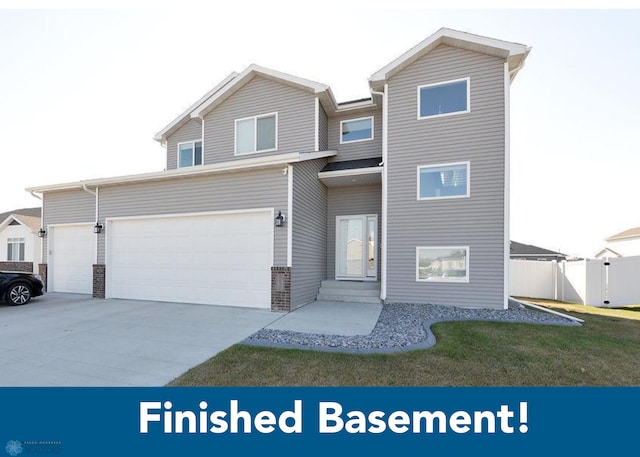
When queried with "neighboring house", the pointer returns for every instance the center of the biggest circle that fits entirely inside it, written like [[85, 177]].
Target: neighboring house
[[19, 242], [531, 252], [623, 244], [272, 188]]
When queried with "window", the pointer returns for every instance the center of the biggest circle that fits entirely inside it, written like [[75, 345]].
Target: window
[[257, 134], [354, 130], [443, 99], [442, 264], [189, 154], [15, 249], [450, 180]]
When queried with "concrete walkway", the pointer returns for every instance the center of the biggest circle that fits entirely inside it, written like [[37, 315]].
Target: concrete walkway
[[330, 318], [74, 340]]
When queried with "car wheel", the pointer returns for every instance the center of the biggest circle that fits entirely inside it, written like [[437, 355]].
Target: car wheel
[[19, 294]]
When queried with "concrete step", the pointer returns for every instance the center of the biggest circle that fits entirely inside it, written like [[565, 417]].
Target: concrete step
[[352, 285], [331, 290], [348, 298]]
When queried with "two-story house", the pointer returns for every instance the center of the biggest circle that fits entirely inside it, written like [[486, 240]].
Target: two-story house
[[274, 191]]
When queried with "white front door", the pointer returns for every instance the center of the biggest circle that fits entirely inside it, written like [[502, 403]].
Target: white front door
[[356, 247]]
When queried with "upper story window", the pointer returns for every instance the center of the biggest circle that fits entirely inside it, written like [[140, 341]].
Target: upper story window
[[448, 180], [15, 249], [354, 130], [444, 99], [257, 134], [189, 154]]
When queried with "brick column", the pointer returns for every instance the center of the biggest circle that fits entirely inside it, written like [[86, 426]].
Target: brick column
[[281, 289], [42, 271], [99, 280]]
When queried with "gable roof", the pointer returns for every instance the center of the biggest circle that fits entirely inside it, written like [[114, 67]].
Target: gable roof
[[603, 251], [35, 212], [626, 235], [514, 53], [527, 250], [31, 222], [185, 116]]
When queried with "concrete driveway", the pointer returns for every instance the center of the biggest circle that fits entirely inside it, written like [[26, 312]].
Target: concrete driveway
[[74, 340]]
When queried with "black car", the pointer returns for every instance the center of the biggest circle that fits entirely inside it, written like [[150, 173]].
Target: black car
[[17, 288]]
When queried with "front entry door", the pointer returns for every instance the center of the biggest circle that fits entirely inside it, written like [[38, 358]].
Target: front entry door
[[356, 247]]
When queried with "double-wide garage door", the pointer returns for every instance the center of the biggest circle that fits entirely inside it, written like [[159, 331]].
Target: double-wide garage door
[[222, 259]]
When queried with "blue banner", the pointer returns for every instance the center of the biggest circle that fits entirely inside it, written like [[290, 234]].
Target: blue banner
[[318, 421]]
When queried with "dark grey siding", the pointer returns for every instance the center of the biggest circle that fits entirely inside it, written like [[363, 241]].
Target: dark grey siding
[[477, 221], [323, 130], [309, 262], [296, 119], [67, 207], [229, 191], [191, 131], [350, 201], [358, 150]]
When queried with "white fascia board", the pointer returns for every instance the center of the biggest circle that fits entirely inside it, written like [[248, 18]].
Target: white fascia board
[[185, 116], [352, 172], [451, 37], [235, 165], [246, 75]]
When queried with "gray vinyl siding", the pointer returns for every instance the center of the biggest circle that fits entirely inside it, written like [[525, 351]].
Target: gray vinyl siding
[[309, 263], [350, 201], [296, 119], [67, 207], [478, 221], [323, 130], [358, 150], [229, 191], [191, 131]]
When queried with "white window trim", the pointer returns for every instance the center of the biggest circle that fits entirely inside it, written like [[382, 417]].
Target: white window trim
[[16, 241], [440, 279], [443, 83], [255, 134], [193, 153], [437, 165], [352, 120]]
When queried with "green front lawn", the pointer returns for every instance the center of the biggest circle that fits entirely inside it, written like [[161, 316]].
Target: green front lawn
[[605, 351]]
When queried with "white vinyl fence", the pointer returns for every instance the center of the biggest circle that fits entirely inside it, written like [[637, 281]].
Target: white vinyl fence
[[601, 282]]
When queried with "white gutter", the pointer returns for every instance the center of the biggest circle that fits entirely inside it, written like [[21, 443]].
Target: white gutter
[[235, 165], [383, 223], [95, 193], [351, 172]]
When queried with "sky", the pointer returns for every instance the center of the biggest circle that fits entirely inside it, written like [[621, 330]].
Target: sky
[[83, 92]]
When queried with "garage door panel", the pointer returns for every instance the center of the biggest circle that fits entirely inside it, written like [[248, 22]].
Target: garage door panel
[[212, 259], [71, 258]]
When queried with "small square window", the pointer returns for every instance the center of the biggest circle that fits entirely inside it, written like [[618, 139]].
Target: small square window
[[189, 154], [442, 264], [443, 99], [257, 134], [15, 249], [354, 130], [450, 180]]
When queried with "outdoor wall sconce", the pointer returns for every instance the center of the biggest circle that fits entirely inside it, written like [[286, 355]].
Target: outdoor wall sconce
[[279, 219], [97, 228], [42, 232]]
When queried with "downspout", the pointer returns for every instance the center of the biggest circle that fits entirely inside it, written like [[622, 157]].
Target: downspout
[[33, 194], [86, 189], [383, 237]]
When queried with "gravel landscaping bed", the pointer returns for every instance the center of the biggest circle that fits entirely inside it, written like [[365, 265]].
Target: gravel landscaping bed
[[401, 327]]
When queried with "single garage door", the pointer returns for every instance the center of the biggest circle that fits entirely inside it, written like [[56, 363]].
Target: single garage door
[[219, 259], [72, 253]]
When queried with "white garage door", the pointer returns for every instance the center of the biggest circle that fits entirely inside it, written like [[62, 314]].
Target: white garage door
[[72, 253], [220, 259]]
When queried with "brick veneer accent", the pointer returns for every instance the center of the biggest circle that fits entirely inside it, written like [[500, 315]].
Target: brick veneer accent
[[42, 271], [280, 288], [99, 279], [17, 266]]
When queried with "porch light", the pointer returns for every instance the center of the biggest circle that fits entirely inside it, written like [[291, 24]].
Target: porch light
[[97, 228], [279, 219], [42, 232]]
